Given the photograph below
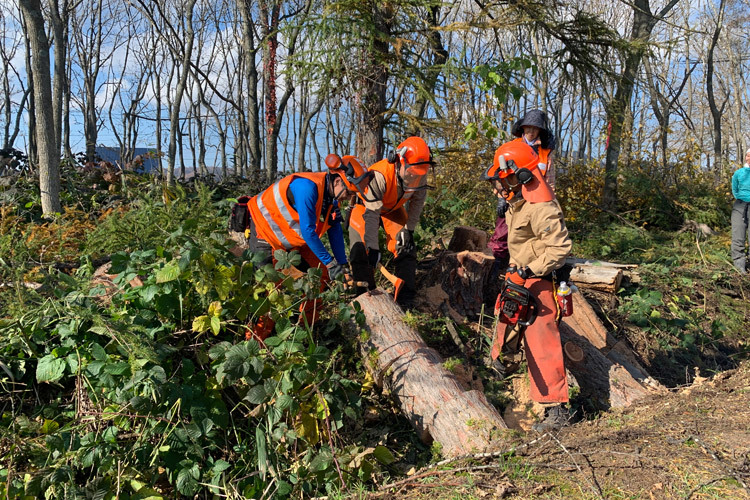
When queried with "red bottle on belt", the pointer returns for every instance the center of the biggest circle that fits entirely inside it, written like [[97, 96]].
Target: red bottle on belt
[[565, 299]]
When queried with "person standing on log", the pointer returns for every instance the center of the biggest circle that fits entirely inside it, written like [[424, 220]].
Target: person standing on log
[[394, 199], [740, 214], [533, 129], [538, 244]]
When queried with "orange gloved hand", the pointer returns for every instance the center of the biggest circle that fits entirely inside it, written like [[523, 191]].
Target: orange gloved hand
[[516, 278]]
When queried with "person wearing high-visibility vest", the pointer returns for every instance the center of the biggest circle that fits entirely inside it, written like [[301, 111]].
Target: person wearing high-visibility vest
[[394, 198], [293, 214], [538, 243]]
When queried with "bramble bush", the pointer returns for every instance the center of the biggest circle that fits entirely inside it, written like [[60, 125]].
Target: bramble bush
[[147, 388]]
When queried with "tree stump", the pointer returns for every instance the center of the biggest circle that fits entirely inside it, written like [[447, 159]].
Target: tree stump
[[430, 396], [467, 278], [468, 238]]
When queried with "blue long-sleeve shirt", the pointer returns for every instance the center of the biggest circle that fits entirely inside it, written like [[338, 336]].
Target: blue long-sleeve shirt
[[305, 194], [741, 184]]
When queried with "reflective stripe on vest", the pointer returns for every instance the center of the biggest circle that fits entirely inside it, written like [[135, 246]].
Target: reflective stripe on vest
[[276, 222], [275, 229]]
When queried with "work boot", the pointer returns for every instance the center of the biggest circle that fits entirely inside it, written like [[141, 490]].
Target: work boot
[[555, 418]]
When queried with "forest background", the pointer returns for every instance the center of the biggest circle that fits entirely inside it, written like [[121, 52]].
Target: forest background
[[649, 102]]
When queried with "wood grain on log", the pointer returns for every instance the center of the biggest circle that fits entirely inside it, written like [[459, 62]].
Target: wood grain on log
[[602, 379], [430, 396], [605, 279], [586, 324]]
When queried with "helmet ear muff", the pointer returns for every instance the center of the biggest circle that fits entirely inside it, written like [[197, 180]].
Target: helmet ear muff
[[524, 176], [393, 157]]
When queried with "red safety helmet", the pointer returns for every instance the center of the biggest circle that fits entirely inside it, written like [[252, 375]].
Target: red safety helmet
[[351, 171], [516, 157]]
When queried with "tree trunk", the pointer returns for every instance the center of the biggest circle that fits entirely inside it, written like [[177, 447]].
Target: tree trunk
[[174, 113], [49, 158], [430, 396], [605, 378], [270, 25], [251, 75], [716, 111], [643, 24], [59, 22], [370, 100]]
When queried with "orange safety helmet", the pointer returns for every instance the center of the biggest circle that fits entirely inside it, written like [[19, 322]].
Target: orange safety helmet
[[415, 155], [351, 171], [518, 158]]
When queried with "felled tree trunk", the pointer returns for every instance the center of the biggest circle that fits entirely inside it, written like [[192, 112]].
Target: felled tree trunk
[[430, 396], [602, 379], [586, 324]]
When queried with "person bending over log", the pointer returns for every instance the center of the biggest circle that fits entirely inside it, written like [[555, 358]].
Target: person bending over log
[[394, 198], [292, 214], [538, 243]]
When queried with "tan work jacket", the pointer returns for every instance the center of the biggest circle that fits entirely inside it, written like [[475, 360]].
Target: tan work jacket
[[537, 236]]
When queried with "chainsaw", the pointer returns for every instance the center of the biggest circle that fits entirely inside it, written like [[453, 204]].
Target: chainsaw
[[515, 305]]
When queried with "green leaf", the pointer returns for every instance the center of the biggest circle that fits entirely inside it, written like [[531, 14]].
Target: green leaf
[[187, 480], [383, 455], [98, 352], [284, 401], [169, 272], [50, 369], [321, 461], [201, 324], [119, 368], [256, 395], [110, 434], [220, 466], [215, 324]]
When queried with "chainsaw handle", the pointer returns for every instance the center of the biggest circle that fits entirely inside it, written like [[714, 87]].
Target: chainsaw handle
[[533, 311]]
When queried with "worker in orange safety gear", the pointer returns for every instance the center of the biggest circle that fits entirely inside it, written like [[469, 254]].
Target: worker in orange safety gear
[[394, 198], [538, 243], [533, 129]]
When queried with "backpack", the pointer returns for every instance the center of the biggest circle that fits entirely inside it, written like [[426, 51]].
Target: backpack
[[240, 218]]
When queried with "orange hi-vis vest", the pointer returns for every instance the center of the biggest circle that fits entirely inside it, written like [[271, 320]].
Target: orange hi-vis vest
[[543, 156], [391, 200], [275, 219]]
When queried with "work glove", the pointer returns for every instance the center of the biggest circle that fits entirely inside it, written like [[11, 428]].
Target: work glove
[[335, 270], [520, 276], [502, 207], [405, 242], [373, 257]]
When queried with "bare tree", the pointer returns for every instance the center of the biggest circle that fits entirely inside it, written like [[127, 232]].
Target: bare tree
[[49, 159], [644, 22]]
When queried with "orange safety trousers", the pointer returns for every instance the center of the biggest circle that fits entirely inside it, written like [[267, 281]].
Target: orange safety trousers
[[542, 346]]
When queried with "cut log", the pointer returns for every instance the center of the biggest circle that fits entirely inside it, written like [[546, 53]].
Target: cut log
[[430, 396], [602, 379], [468, 238], [585, 323], [604, 279], [629, 271]]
